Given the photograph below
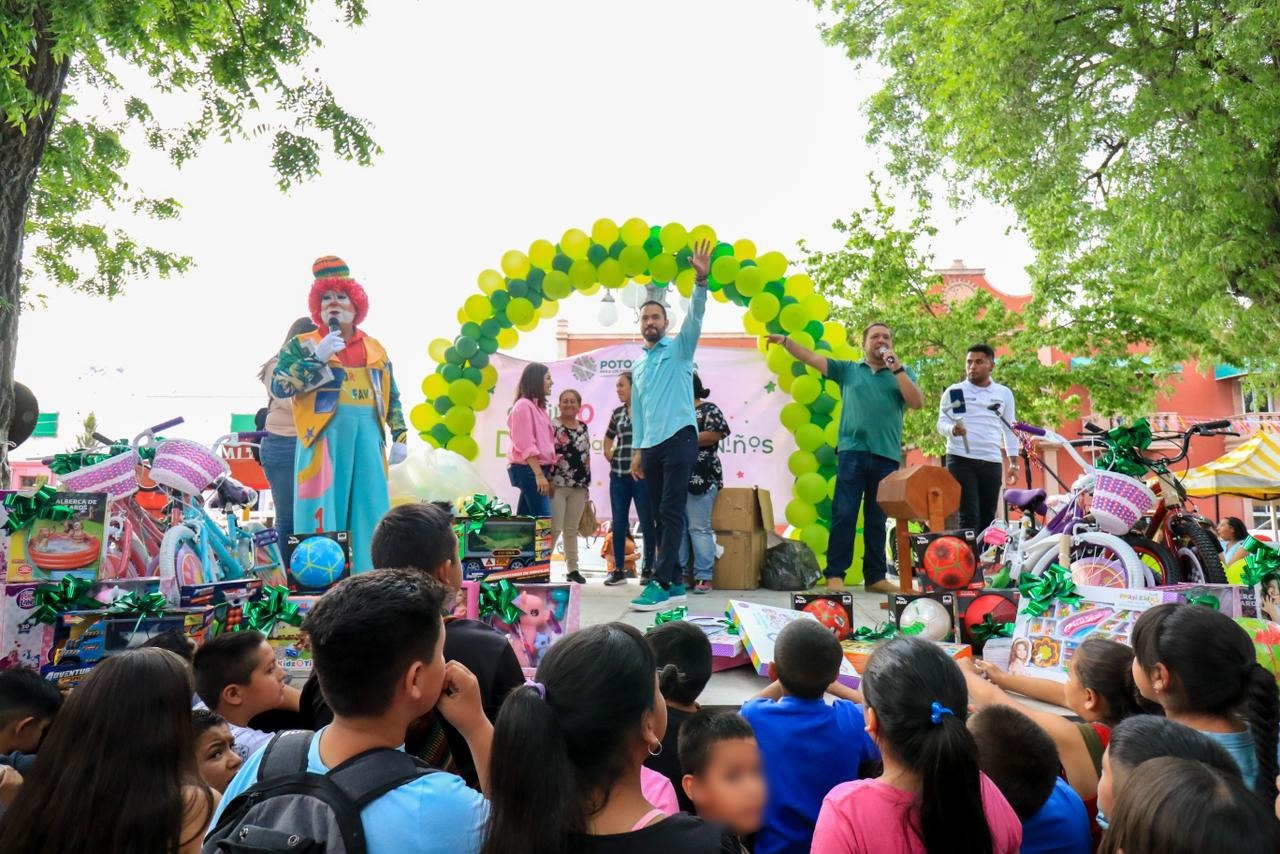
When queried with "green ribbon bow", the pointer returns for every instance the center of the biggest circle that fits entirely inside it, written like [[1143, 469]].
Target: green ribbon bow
[[674, 615], [1205, 601], [1261, 561], [273, 607], [989, 628], [730, 624], [478, 509], [1125, 445], [23, 508], [500, 598], [145, 605], [69, 594], [1038, 594], [883, 631]]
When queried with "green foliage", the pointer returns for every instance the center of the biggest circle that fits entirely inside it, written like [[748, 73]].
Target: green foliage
[[87, 429], [880, 275], [1138, 142], [243, 60]]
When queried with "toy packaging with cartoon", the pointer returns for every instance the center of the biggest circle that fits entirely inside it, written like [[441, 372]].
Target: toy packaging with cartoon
[[85, 638], [946, 560], [531, 616], [857, 652], [760, 625], [318, 561], [24, 640], [931, 616], [1234, 600], [505, 548], [51, 549], [833, 610], [1266, 642]]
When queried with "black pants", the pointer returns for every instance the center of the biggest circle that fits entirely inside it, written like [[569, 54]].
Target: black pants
[[667, 469], [979, 490]]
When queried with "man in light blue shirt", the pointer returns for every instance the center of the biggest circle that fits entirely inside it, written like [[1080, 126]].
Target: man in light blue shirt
[[665, 432]]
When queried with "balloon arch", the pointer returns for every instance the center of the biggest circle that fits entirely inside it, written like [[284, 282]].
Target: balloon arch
[[532, 283]]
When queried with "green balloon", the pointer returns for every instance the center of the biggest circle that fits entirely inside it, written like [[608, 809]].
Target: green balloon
[[824, 405], [794, 415], [721, 250], [451, 372], [826, 455], [472, 375], [801, 513], [828, 471], [653, 246], [824, 508], [561, 262], [535, 277], [811, 488], [518, 288], [490, 328], [802, 462], [596, 254], [466, 347], [615, 249], [441, 434], [460, 420], [453, 357], [777, 289], [799, 369], [489, 344], [809, 437], [500, 300], [815, 330], [470, 329], [535, 298], [479, 358], [443, 404], [806, 389]]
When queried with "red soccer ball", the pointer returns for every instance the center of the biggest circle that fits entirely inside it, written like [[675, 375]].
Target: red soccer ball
[[999, 607], [831, 615], [949, 563]]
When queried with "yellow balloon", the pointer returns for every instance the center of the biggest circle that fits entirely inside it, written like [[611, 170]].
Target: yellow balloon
[[684, 282], [530, 326], [673, 237], [488, 376], [582, 274], [520, 311], [817, 307], [750, 281], [490, 281], [435, 386], [762, 343], [752, 325], [515, 264], [604, 232], [507, 338], [833, 333], [464, 445], [773, 265], [702, 233], [437, 347], [804, 339], [635, 232], [744, 250], [481, 401], [478, 308], [610, 273], [548, 309], [719, 296], [591, 289], [575, 243], [785, 381], [462, 317], [424, 416], [799, 286], [541, 254]]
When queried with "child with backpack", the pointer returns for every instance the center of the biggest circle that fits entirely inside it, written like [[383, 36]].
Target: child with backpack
[[237, 677], [931, 797], [377, 643]]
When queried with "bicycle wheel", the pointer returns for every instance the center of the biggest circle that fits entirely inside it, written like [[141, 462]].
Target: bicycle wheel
[[178, 556], [1198, 554], [1099, 560], [1162, 564]]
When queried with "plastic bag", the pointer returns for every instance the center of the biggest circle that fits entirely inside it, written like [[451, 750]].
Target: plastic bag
[[791, 565], [432, 474]]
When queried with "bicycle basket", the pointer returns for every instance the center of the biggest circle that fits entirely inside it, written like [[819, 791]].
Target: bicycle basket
[[1119, 501], [186, 466], [117, 476]]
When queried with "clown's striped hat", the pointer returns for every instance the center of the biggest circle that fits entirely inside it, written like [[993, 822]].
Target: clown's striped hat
[[330, 267]]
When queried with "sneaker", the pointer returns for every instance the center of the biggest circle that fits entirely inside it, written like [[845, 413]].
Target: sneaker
[[646, 576], [702, 587], [615, 579], [576, 577], [676, 594], [652, 598], [882, 586], [835, 583]]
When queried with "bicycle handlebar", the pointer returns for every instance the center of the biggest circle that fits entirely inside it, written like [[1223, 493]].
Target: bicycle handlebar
[[1029, 428], [166, 425], [1212, 425]]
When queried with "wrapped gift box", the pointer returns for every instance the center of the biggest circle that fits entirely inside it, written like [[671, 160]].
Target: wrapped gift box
[[51, 549], [547, 612], [833, 610], [505, 548], [759, 626], [946, 560], [24, 640]]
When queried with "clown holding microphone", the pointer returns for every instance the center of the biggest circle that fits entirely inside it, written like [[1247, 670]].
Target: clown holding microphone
[[344, 401]]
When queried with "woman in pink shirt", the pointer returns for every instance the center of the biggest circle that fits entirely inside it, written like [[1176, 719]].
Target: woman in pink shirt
[[931, 797], [533, 447]]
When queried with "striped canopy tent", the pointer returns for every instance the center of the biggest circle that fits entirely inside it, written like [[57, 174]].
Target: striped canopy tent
[[1252, 471]]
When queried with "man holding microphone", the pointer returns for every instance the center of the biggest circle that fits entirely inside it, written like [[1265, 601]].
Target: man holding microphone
[[874, 392]]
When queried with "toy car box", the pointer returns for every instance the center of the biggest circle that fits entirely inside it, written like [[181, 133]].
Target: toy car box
[[511, 548]]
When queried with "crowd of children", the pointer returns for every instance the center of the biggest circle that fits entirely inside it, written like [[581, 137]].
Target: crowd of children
[[419, 733]]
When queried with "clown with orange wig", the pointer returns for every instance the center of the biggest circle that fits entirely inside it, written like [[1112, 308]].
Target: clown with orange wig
[[344, 402]]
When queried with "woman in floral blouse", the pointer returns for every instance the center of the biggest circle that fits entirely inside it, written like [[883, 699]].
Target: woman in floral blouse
[[571, 478], [703, 485]]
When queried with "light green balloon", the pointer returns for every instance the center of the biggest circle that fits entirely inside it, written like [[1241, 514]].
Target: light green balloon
[[793, 318], [815, 537], [557, 285], [520, 311], [463, 393], [801, 513], [808, 437], [802, 462], [764, 306], [811, 487], [724, 269], [750, 281], [793, 415], [805, 390], [610, 273], [663, 267], [634, 260], [461, 419]]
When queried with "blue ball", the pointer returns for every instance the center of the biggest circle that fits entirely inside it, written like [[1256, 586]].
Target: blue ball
[[317, 562]]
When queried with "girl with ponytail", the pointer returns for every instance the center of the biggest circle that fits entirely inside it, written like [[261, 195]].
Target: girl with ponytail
[[931, 797], [1199, 665], [568, 748]]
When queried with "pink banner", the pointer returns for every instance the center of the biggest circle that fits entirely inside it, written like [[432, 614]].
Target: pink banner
[[754, 454]]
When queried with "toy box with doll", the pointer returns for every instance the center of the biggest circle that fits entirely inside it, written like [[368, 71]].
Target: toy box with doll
[[318, 561], [24, 640], [759, 626], [946, 560], [505, 548], [931, 616], [531, 616], [1042, 644], [833, 610], [74, 544]]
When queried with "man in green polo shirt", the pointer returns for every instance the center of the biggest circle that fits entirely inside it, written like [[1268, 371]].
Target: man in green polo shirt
[[874, 392]]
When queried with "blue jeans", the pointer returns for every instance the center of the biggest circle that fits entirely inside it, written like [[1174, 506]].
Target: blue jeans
[[668, 467], [277, 463], [858, 476], [623, 489], [698, 514], [531, 503]]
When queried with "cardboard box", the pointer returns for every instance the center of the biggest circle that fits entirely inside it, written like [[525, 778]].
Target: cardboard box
[[1043, 645], [1234, 600], [50, 550], [740, 564], [742, 509], [511, 548], [293, 652], [833, 610], [316, 568], [946, 560], [84, 638], [857, 652], [759, 626], [935, 612], [236, 590], [24, 640]]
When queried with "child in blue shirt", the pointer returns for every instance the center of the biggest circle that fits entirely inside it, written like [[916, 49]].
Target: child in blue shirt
[[1022, 760], [808, 746]]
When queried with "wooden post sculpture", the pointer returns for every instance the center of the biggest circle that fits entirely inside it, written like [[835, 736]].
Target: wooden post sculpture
[[926, 494]]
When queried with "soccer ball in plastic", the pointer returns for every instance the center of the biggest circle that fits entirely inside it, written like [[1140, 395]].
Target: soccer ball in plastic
[[934, 618], [831, 615], [1000, 609], [317, 563], [949, 563]]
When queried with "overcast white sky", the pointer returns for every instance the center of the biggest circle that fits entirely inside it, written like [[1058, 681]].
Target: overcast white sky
[[502, 122]]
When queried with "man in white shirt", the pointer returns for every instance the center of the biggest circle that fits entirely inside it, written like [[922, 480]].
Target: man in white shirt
[[981, 450]]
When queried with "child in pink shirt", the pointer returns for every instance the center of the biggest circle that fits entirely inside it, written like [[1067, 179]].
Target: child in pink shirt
[[532, 451], [931, 797]]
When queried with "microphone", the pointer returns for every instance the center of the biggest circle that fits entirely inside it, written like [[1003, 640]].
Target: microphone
[[889, 361], [334, 326]]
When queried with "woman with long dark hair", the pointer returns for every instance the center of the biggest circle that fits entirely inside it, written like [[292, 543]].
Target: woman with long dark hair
[[568, 752], [117, 772], [281, 442], [1233, 534], [533, 446], [931, 798]]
